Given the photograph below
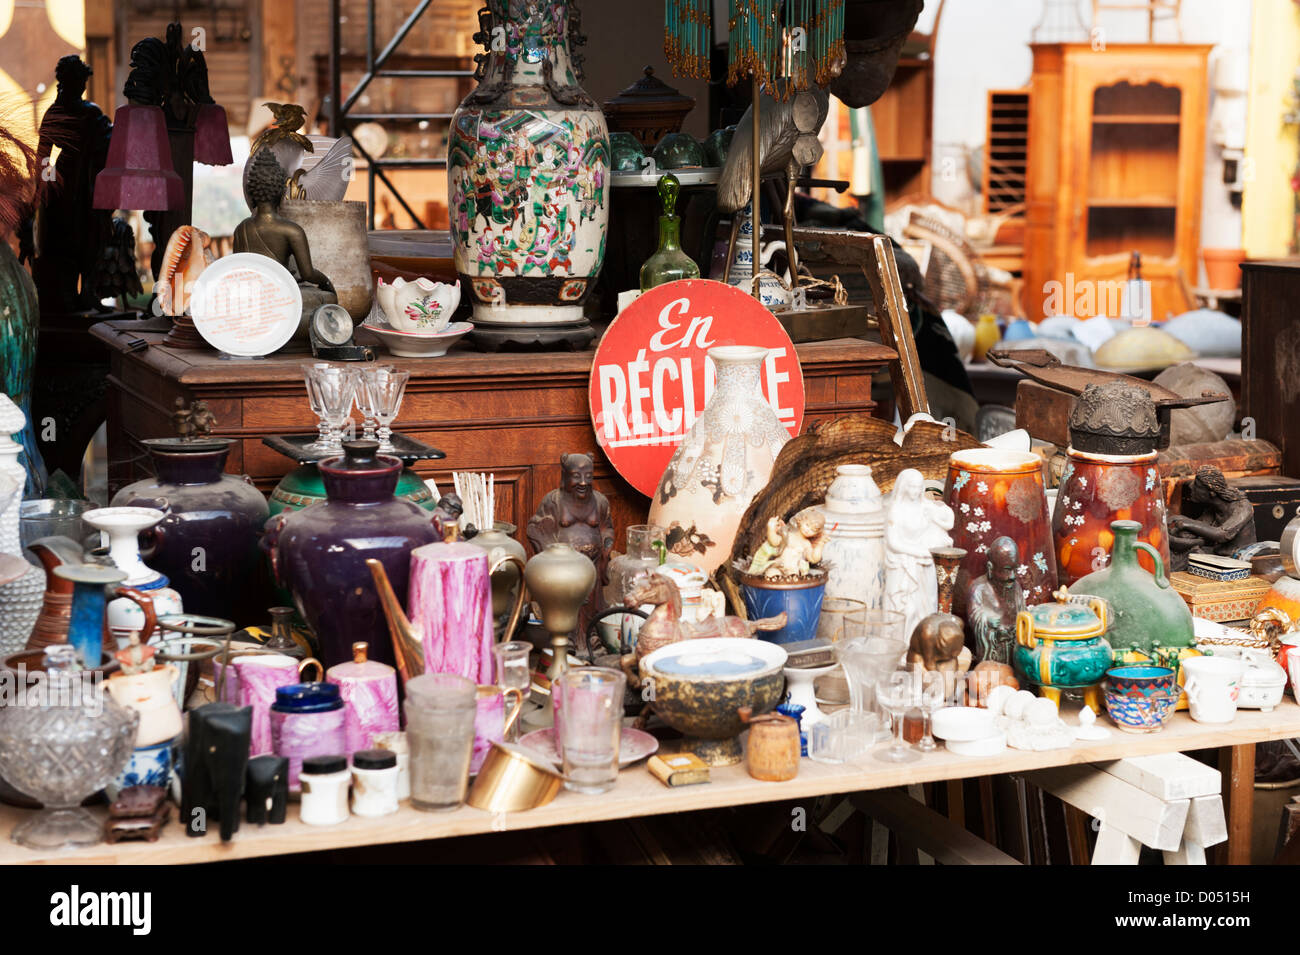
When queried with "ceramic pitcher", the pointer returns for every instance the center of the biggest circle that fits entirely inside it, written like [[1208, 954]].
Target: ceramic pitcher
[[151, 695]]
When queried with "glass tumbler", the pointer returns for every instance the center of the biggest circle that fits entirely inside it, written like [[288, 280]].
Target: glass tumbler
[[440, 710], [588, 726], [514, 673]]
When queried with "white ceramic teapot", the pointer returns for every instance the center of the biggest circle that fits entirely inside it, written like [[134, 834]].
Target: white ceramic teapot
[[420, 305]]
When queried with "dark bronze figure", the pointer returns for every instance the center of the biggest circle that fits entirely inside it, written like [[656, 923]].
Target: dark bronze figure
[[1216, 519]]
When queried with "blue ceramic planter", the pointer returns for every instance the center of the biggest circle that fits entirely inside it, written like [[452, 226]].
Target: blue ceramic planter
[[801, 603]]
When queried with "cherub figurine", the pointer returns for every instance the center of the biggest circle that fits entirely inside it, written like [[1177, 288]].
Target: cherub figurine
[[791, 550], [202, 419]]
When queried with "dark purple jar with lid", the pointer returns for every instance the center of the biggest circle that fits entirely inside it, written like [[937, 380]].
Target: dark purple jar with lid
[[320, 552], [207, 544]]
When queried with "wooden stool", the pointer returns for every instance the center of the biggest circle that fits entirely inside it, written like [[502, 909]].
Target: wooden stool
[[1168, 802]]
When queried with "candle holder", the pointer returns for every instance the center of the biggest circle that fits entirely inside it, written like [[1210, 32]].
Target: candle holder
[[559, 579]]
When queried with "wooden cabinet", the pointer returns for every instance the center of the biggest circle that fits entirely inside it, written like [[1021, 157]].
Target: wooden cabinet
[[1116, 157], [511, 414], [902, 117]]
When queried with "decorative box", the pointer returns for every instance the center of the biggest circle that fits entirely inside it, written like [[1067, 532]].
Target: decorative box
[[1214, 567], [1220, 600]]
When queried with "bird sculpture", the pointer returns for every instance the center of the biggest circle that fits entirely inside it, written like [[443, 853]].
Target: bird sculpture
[[289, 118], [318, 167]]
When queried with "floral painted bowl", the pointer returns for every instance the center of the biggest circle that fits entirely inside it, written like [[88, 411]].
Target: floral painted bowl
[[418, 344], [1139, 713], [420, 305]]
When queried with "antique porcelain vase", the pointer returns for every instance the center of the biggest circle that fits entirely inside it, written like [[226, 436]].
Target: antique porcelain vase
[[528, 171], [724, 460]]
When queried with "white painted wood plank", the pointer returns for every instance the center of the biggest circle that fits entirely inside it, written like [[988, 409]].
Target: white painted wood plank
[[1115, 848], [1154, 822], [1167, 775], [1206, 823]]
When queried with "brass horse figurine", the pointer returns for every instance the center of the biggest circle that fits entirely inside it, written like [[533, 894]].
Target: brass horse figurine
[[665, 624]]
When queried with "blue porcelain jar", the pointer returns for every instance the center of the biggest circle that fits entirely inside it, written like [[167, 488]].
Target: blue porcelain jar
[[800, 601]]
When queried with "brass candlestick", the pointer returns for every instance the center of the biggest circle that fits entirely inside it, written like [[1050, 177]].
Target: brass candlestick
[[559, 579]]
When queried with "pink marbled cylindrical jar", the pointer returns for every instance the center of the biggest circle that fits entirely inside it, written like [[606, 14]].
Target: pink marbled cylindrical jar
[[451, 607], [307, 720], [369, 692], [256, 677]]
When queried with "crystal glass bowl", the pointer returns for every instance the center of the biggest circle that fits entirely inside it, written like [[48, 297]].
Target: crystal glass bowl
[[60, 754]]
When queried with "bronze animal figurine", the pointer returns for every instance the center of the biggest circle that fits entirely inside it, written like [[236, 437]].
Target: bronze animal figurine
[[938, 643], [665, 624]]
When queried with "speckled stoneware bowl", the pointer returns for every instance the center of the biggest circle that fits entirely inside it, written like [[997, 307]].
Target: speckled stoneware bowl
[[700, 684]]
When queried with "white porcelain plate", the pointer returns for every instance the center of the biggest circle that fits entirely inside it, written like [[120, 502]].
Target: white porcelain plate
[[246, 304], [634, 745]]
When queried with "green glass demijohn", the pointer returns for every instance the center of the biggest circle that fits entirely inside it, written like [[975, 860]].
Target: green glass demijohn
[[1146, 612], [668, 263]]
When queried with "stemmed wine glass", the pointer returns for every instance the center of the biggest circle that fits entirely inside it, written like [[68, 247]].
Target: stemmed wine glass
[[364, 403], [897, 693], [331, 390], [933, 695], [384, 386]]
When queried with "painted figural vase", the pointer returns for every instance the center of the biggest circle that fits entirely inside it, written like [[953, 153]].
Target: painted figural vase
[[724, 460], [528, 171], [996, 493]]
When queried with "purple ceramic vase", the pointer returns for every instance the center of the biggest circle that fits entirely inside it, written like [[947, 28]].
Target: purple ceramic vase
[[320, 552], [206, 546]]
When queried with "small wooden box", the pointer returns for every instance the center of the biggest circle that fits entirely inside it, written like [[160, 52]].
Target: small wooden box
[[1220, 601], [1276, 501]]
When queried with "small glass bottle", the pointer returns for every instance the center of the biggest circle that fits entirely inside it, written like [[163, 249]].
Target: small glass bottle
[[668, 263], [641, 556], [281, 640], [325, 782], [374, 782]]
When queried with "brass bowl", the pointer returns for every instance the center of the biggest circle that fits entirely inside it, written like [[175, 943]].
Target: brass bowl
[[513, 780], [701, 699]]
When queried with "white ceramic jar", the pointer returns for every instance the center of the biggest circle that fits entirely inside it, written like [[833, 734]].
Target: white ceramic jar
[[325, 781], [395, 742], [374, 782], [855, 528]]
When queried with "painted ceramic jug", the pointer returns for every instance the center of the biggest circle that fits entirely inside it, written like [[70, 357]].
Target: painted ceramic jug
[[724, 460], [1062, 646], [123, 526], [528, 171], [206, 545], [996, 493], [320, 552], [855, 528], [1146, 612], [1095, 490]]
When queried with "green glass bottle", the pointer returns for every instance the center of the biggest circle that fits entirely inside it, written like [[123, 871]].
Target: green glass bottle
[[668, 263]]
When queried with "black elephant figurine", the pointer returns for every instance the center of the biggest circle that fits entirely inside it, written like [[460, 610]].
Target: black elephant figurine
[[266, 790], [216, 758]]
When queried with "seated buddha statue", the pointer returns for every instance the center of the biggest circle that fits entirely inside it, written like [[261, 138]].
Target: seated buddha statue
[[268, 233]]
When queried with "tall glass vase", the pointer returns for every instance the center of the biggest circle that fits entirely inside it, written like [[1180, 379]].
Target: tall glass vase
[[725, 460], [528, 172]]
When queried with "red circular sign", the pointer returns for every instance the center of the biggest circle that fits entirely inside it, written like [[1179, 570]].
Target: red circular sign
[[651, 377]]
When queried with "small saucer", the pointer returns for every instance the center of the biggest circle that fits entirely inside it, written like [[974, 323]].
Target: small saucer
[[417, 344]]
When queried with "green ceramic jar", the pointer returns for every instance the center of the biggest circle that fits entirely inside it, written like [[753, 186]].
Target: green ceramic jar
[[303, 486], [1062, 645], [1146, 612]]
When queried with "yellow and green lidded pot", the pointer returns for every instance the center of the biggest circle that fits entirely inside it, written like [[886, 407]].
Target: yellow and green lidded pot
[[1062, 646]]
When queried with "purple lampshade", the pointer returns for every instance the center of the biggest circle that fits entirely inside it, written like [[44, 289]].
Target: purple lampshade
[[139, 173], [212, 136]]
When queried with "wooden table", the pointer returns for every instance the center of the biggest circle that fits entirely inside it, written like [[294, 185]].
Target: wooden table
[[640, 794], [513, 414]]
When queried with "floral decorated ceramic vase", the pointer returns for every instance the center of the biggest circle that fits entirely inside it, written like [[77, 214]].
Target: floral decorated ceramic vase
[[528, 171], [996, 493], [724, 460], [1095, 490]]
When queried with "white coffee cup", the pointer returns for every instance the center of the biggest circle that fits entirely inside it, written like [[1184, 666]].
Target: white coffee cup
[[1211, 687]]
